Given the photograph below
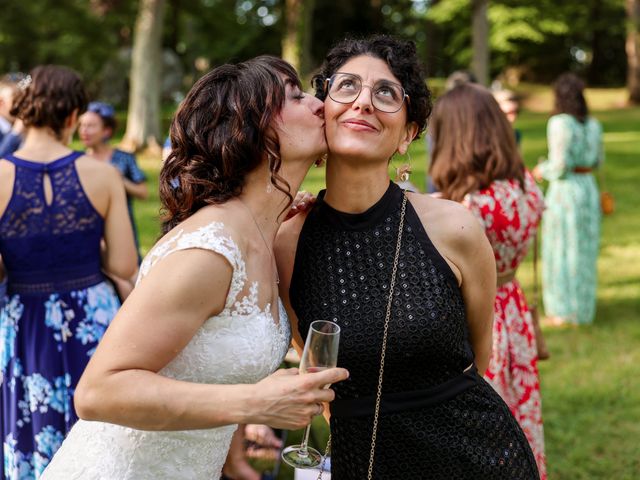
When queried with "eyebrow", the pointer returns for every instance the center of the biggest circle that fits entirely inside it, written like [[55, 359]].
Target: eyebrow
[[292, 83], [375, 83]]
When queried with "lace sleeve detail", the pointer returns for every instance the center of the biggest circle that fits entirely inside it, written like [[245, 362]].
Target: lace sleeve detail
[[208, 237]]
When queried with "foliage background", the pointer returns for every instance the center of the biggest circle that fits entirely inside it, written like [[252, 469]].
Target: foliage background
[[529, 40]]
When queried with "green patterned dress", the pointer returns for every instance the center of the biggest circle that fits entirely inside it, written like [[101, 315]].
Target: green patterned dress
[[571, 222]]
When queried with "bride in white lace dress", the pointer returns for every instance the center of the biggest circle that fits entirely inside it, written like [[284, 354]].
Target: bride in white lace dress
[[192, 351]]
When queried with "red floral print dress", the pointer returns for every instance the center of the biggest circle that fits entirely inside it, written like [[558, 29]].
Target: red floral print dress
[[510, 217]]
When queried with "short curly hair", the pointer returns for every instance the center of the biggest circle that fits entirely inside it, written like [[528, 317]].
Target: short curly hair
[[222, 131], [49, 97], [402, 59], [569, 96]]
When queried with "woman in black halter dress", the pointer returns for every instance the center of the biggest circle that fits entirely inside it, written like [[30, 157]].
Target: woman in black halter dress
[[438, 419]]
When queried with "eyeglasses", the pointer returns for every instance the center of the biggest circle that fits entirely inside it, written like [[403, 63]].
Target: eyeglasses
[[103, 109], [386, 96]]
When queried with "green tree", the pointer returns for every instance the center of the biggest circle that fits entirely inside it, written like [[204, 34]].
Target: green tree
[[540, 39], [80, 34]]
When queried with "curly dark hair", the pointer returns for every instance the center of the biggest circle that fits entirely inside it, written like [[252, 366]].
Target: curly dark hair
[[47, 100], [402, 59], [221, 132], [569, 96]]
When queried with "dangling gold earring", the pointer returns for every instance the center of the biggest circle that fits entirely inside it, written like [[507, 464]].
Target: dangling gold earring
[[321, 160], [404, 170], [269, 181]]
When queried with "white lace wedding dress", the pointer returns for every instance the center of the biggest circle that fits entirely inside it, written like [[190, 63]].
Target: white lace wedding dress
[[242, 344]]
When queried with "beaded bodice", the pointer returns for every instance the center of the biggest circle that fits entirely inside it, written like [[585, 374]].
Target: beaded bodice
[[342, 273]]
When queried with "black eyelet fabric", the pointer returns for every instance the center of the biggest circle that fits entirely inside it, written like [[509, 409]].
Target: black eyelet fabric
[[342, 273]]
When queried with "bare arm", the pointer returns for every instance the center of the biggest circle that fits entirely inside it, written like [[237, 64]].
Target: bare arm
[[461, 240], [119, 257], [121, 384], [136, 190], [478, 269], [285, 251]]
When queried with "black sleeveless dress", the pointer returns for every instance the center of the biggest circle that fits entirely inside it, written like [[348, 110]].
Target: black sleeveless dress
[[437, 421]]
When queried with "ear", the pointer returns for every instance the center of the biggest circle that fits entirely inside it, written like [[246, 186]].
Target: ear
[[72, 119], [410, 132], [110, 133]]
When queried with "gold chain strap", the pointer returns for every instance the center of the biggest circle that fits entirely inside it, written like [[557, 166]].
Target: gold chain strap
[[384, 339], [384, 350], [324, 457]]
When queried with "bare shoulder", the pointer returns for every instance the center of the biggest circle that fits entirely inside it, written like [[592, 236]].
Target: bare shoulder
[[446, 220], [7, 179], [220, 218], [7, 174], [95, 173], [87, 163]]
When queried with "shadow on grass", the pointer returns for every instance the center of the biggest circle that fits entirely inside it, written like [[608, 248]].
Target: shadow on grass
[[591, 396]]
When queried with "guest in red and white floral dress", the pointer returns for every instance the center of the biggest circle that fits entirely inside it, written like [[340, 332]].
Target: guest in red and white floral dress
[[476, 161]]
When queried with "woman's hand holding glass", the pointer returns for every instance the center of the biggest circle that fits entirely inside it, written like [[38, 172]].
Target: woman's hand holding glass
[[289, 400]]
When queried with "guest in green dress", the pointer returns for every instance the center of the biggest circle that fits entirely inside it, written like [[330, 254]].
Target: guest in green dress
[[571, 223]]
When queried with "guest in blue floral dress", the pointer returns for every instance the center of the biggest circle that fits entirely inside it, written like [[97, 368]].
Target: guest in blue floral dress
[[56, 207], [571, 223]]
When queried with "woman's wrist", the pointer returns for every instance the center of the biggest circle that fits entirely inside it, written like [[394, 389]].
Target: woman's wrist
[[244, 404]]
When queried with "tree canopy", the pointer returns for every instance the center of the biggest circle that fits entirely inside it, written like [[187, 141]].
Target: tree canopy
[[531, 40]]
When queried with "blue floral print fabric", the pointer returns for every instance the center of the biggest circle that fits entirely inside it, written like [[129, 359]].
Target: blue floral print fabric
[[45, 342], [55, 308]]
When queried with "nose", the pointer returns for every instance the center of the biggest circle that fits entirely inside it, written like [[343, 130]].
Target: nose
[[317, 106], [364, 100]]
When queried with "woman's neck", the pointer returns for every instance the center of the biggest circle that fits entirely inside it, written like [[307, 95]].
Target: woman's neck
[[42, 145], [267, 204], [101, 151], [353, 188]]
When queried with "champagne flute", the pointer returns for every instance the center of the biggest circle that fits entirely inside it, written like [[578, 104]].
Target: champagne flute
[[320, 352]]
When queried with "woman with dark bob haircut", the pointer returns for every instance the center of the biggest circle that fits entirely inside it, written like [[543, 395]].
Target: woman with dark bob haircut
[[57, 207], [571, 224], [411, 281], [192, 352]]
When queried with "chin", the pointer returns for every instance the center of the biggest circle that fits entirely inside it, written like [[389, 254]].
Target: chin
[[352, 149]]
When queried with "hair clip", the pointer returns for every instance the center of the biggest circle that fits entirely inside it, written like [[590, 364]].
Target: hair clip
[[103, 109], [24, 83]]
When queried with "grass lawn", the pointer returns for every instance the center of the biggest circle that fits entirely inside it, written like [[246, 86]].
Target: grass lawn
[[591, 385]]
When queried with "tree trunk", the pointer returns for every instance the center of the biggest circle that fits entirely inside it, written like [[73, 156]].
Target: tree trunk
[[376, 16], [143, 118], [598, 60], [291, 40], [306, 34], [633, 51], [432, 50], [480, 41]]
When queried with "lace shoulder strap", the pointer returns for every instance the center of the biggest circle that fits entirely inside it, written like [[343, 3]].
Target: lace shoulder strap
[[208, 237]]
